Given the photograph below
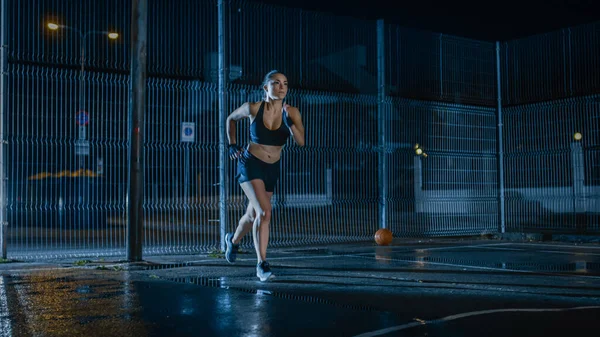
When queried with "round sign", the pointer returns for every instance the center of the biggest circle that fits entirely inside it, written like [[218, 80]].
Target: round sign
[[188, 131], [83, 118]]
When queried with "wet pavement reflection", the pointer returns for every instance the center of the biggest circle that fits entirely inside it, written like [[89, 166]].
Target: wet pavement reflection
[[423, 290]]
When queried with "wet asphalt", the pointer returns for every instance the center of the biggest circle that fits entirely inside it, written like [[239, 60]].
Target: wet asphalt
[[411, 288]]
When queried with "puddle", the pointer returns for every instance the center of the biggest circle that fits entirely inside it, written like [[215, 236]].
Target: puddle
[[218, 283]]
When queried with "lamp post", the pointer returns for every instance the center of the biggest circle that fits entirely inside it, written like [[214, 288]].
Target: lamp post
[[81, 146], [83, 37]]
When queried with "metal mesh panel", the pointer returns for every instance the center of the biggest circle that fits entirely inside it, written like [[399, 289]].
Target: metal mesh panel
[[316, 51], [31, 41], [551, 66], [453, 189], [173, 49], [181, 192], [583, 46], [439, 67], [534, 69], [549, 173], [65, 188], [182, 39], [591, 187], [468, 71]]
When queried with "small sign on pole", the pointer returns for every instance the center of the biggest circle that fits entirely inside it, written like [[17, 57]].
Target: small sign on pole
[[82, 148], [188, 132], [82, 118], [82, 133], [100, 166]]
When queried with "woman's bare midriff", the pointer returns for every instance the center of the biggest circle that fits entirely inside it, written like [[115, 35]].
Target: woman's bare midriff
[[267, 153]]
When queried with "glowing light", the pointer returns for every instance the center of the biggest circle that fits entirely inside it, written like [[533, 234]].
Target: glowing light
[[577, 136], [113, 36], [53, 26]]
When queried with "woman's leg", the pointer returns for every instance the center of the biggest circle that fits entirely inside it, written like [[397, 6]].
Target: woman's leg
[[244, 225], [261, 202]]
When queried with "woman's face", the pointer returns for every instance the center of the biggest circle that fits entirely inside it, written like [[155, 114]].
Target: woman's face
[[277, 87]]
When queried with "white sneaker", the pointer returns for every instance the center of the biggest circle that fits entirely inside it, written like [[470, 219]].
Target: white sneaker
[[263, 271]]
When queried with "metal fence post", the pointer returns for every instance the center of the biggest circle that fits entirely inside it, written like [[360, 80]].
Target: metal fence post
[[578, 183], [441, 62], [501, 209], [223, 73], [3, 104], [137, 109], [381, 124]]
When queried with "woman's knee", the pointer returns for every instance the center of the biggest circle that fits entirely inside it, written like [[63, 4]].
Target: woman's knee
[[264, 214]]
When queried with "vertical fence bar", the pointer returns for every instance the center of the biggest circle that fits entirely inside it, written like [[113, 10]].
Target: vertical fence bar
[[383, 184], [499, 142], [578, 182], [3, 101], [223, 71], [441, 43], [137, 107]]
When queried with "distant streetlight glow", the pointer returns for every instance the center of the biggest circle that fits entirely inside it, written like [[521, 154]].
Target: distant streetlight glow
[[577, 136], [419, 151], [113, 36], [53, 26]]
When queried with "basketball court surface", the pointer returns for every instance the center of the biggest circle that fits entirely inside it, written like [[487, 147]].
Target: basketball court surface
[[426, 287]]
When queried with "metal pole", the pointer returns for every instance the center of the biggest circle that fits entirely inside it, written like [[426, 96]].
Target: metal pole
[[82, 132], [441, 66], [137, 107], [223, 72], [3, 142], [500, 136], [579, 197], [381, 125]]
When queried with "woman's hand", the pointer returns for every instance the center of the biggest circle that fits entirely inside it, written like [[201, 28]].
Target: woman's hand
[[235, 151]]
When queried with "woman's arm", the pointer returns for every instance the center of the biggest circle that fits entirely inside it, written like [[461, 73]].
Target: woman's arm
[[296, 128], [239, 113]]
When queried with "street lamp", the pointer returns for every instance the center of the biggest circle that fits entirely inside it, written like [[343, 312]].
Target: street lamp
[[83, 37], [82, 124]]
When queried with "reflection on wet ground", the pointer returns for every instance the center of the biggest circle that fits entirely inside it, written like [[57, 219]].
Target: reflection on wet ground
[[492, 289]]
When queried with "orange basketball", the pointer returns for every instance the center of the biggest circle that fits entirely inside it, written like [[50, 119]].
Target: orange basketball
[[383, 237]]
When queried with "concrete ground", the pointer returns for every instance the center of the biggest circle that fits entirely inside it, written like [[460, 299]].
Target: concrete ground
[[427, 287]]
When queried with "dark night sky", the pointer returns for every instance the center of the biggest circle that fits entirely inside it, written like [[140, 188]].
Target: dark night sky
[[482, 20]]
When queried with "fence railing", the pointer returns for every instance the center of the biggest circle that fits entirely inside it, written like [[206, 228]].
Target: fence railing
[[66, 126]]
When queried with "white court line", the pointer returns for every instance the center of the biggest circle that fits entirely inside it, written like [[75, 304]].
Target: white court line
[[545, 251], [476, 267], [467, 246], [510, 249], [494, 246], [34, 269], [463, 315], [406, 248], [551, 245], [570, 253], [295, 257]]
